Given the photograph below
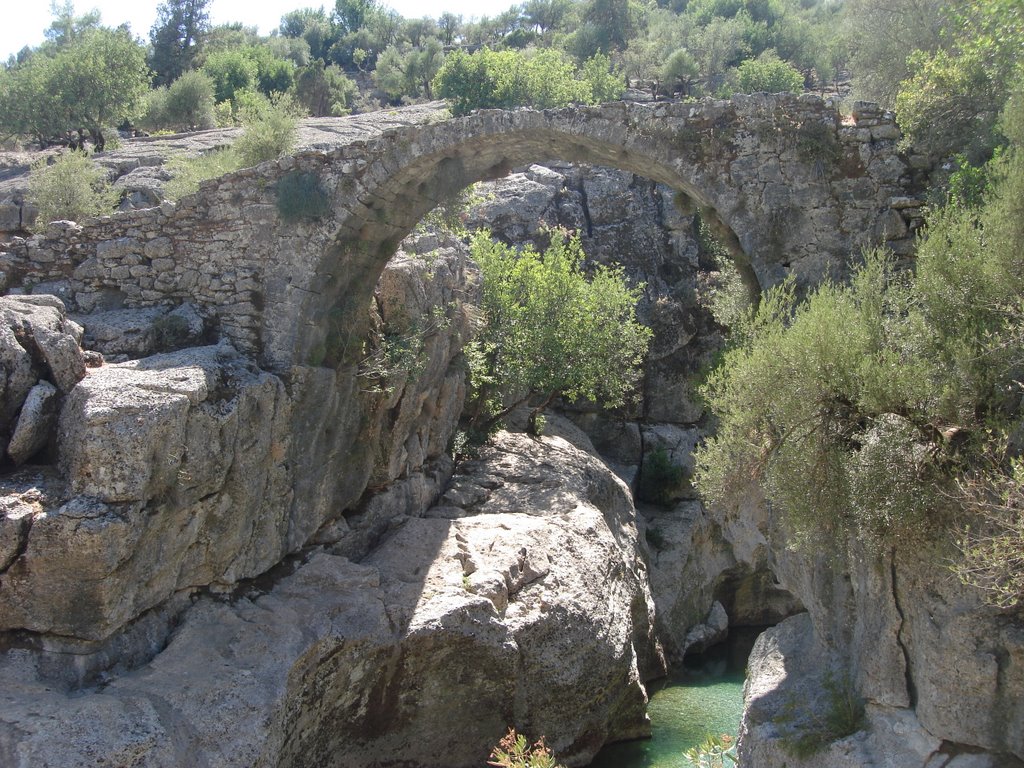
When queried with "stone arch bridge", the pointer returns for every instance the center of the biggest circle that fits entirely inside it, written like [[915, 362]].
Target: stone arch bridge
[[790, 186]]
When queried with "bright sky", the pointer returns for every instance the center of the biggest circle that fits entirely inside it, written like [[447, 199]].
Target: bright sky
[[24, 23]]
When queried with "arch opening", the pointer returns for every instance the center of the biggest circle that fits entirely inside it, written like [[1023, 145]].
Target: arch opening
[[387, 211]]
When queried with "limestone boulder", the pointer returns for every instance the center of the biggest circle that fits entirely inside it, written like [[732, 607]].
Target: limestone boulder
[[36, 423], [518, 207], [527, 608], [160, 458], [414, 369], [686, 555], [40, 325], [789, 690], [40, 359], [918, 645], [141, 331]]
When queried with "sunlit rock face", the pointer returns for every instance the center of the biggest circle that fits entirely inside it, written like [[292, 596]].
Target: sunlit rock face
[[519, 600]]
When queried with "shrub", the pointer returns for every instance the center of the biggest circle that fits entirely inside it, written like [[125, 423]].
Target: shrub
[[544, 78], [884, 408], [69, 188], [660, 478], [514, 751], [393, 359], [187, 173], [770, 74], [189, 103], [552, 330], [270, 131], [713, 752], [230, 71], [992, 540], [951, 99], [170, 332], [300, 197]]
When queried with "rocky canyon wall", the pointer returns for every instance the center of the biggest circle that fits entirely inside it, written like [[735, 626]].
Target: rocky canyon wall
[[220, 553]]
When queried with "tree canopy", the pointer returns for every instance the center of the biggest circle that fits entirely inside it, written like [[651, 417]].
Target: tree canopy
[[176, 37], [94, 80], [542, 78]]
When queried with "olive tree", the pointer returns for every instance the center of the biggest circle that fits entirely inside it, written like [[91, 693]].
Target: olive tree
[[94, 81]]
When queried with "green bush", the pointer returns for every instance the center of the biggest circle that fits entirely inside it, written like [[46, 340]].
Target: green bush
[[544, 78], [713, 752], [660, 478], [394, 357], [884, 407], [951, 99], [552, 329], [270, 131], [230, 71], [189, 104], [71, 187], [770, 74], [300, 197], [992, 541], [187, 173]]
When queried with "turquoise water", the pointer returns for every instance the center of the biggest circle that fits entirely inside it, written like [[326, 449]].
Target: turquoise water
[[706, 696]]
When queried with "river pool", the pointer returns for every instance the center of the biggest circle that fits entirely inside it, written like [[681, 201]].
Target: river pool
[[705, 696]]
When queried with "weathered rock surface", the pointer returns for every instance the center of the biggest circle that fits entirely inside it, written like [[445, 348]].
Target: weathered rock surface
[[787, 691], [181, 472], [40, 359], [36, 423], [137, 168], [143, 331], [525, 604], [922, 650]]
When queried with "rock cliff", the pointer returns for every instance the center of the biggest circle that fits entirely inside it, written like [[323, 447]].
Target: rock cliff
[[184, 584], [520, 599], [939, 672], [178, 472]]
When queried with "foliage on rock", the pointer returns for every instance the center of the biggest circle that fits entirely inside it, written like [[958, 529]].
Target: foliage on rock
[[951, 100], [769, 74], [859, 408], [660, 478], [301, 197], [490, 79], [187, 173], [270, 131], [716, 751], [515, 751], [807, 728], [552, 328]]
